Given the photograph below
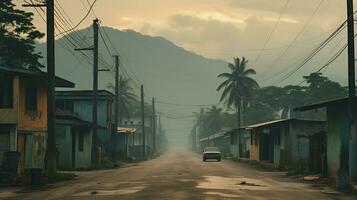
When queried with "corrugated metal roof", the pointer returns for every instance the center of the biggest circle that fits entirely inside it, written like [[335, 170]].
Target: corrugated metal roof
[[267, 123], [321, 104]]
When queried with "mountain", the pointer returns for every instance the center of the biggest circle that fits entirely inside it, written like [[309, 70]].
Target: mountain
[[168, 72]]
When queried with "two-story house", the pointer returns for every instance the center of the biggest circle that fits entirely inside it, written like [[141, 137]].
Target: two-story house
[[80, 102], [23, 114]]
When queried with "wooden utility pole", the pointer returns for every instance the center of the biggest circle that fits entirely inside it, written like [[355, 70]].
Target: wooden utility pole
[[95, 88], [342, 180], [51, 151], [153, 126], [143, 120], [51, 159], [350, 165], [116, 114]]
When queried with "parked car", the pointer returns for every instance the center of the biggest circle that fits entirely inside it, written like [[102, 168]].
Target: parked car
[[211, 153]]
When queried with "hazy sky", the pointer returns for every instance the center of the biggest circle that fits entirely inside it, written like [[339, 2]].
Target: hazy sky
[[225, 29], [222, 28]]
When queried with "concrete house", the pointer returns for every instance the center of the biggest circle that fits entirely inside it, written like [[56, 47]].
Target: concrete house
[[23, 114], [80, 102], [124, 142], [239, 143], [219, 139], [74, 141], [136, 137], [288, 142], [337, 135]]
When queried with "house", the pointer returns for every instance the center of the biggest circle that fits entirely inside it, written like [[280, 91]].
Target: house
[[137, 137], [80, 102], [239, 143], [288, 142], [74, 141], [337, 135], [23, 114], [124, 141], [219, 139]]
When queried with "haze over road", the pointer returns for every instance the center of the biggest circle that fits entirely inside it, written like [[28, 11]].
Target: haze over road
[[177, 175]]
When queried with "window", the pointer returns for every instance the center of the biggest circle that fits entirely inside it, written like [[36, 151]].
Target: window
[[31, 98], [66, 105], [6, 92], [80, 141]]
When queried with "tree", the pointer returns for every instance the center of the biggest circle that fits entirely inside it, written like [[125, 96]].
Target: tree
[[199, 121], [238, 87], [214, 119], [126, 97], [17, 37]]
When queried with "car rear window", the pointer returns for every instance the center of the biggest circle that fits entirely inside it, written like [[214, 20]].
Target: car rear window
[[211, 149]]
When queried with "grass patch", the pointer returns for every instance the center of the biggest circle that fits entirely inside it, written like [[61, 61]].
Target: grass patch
[[60, 177], [296, 172]]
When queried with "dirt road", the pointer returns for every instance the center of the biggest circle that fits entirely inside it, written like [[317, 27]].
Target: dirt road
[[177, 175]]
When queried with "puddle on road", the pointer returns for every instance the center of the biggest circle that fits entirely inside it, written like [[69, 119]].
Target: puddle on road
[[234, 183], [223, 194], [125, 191]]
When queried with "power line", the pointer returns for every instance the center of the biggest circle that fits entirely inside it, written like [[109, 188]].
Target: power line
[[85, 16], [272, 31], [314, 53], [307, 22], [184, 105]]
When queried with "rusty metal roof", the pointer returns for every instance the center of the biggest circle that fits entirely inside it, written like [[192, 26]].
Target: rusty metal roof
[[123, 130]]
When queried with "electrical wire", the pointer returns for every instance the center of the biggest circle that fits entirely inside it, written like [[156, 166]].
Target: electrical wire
[[85, 16], [272, 31]]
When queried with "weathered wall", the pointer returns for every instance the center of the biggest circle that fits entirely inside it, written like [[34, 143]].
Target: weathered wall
[[64, 144], [33, 121], [254, 148], [83, 158]]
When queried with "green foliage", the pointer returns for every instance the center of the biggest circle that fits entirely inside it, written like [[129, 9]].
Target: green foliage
[[238, 85], [17, 37], [127, 98], [269, 103]]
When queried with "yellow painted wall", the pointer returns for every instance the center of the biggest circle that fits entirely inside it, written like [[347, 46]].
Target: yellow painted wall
[[254, 148], [28, 121]]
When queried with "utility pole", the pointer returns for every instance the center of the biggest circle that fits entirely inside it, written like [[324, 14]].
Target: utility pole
[[153, 126], [116, 114], [51, 158], [342, 180], [143, 120], [95, 88], [348, 158], [51, 151]]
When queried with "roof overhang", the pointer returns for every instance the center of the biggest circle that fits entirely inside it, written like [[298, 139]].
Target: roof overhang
[[321, 104], [38, 75]]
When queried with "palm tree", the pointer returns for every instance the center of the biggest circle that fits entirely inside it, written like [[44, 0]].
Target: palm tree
[[126, 97], [199, 121], [238, 86], [214, 119]]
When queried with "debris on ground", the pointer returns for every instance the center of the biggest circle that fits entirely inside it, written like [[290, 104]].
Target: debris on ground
[[311, 178], [248, 184], [330, 192]]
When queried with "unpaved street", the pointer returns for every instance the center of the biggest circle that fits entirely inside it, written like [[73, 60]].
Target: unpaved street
[[177, 175]]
